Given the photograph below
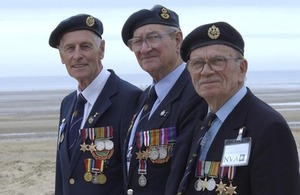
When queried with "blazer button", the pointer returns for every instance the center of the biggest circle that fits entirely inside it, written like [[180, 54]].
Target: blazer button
[[72, 181], [129, 191]]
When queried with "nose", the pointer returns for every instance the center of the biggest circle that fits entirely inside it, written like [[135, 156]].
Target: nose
[[77, 54], [145, 47], [207, 69]]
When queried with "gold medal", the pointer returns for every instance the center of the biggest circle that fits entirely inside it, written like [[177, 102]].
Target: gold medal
[[101, 178], [88, 176], [231, 189]]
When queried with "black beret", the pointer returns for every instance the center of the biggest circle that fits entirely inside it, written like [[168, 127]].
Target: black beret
[[156, 15], [77, 22], [209, 34]]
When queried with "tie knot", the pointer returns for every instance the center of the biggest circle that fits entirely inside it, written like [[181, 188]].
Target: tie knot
[[210, 118], [152, 93], [81, 99]]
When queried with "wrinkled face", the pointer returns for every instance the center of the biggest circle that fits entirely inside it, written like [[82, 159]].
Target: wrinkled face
[[81, 51], [159, 49], [222, 72]]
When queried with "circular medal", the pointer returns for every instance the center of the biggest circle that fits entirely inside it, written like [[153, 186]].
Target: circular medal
[[101, 178], [95, 179], [109, 144], [154, 154], [142, 181], [197, 185], [99, 145], [162, 152], [211, 184], [88, 176]]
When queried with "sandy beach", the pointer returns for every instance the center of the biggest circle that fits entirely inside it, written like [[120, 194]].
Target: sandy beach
[[27, 159]]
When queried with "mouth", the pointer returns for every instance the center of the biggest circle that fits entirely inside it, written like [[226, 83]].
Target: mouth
[[78, 65]]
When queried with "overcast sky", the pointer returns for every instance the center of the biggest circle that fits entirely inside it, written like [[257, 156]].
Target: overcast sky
[[270, 29]]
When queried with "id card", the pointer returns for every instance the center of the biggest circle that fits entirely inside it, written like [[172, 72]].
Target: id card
[[236, 153]]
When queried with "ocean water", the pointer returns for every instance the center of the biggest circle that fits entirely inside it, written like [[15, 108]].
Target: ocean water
[[255, 80]]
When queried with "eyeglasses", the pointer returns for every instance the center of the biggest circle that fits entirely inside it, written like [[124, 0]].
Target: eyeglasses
[[214, 63], [152, 40]]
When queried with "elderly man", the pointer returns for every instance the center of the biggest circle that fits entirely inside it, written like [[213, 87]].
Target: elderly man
[[157, 144], [94, 118], [247, 148]]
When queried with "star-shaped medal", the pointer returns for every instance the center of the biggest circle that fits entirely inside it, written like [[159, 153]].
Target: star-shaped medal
[[204, 184], [221, 188], [146, 154], [231, 189], [92, 147], [139, 155], [84, 147]]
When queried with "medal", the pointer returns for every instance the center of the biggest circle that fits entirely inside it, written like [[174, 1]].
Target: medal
[[154, 154], [162, 152], [84, 135], [142, 171], [231, 173], [101, 178], [88, 176], [197, 185], [108, 144], [221, 187], [211, 184], [142, 181], [99, 145], [95, 179]]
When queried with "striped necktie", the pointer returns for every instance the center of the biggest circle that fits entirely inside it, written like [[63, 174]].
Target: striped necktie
[[76, 121], [191, 163]]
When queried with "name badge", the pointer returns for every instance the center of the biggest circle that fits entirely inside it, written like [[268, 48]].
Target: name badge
[[236, 152]]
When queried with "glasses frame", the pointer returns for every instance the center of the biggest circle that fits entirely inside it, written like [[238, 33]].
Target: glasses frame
[[151, 40], [211, 62]]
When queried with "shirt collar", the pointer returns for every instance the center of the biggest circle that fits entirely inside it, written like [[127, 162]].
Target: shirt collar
[[163, 87], [93, 90]]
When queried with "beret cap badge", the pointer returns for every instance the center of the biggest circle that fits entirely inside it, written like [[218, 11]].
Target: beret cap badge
[[213, 32], [164, 13], [90, 21]]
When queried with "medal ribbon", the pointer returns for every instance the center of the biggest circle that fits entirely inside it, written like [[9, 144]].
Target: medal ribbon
[[142, 167], [154, 139], [214, 169], [223, 171], [231, 173], [207, 167], [139, 139], [84, 134], [172, 134], [91, 134], [162, 140], [200, 169], [146, 138], [88, 164]]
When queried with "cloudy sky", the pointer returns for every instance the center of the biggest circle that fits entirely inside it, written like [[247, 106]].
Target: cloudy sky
[[270, 29]]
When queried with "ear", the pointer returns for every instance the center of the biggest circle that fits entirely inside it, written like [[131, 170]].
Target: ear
[[243, 69], [102, 49], [178, 38], [61, 58]]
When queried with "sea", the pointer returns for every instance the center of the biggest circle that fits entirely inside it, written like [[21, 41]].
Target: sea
[[289, 79]]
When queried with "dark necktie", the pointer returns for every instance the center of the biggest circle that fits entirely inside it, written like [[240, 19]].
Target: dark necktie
[[76, 121], [204, 127], [152, 96]]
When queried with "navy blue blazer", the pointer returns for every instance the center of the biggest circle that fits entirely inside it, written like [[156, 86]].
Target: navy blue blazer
[[114, 107], [273, 167], [180, 107]]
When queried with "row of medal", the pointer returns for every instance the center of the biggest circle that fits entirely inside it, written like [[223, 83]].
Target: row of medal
[[101, 147], [158, 145], [206, 169]]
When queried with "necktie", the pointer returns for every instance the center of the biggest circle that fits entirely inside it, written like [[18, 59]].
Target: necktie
[[205, 127], [152, 96], [76, 121]]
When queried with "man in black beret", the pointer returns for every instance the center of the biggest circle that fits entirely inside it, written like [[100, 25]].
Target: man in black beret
[[248, 147], [93, 118], [158, 141]]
